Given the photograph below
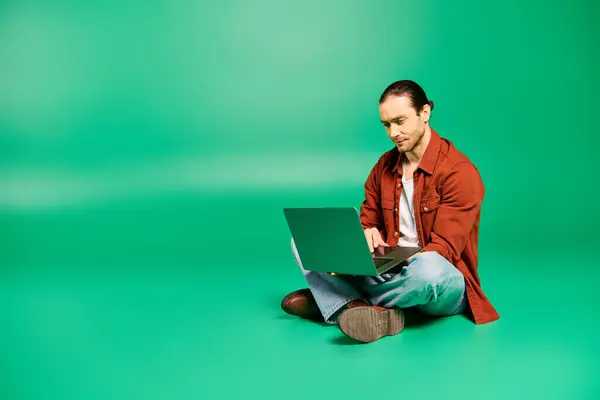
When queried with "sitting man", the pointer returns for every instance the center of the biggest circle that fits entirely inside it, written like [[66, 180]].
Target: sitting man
[[423, 192]]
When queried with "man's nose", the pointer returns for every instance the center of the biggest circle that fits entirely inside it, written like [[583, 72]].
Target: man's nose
[[394, 132]]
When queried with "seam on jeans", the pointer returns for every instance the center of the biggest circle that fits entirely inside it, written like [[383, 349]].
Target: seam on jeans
[[462, 298], [336, 307], [446, 278]]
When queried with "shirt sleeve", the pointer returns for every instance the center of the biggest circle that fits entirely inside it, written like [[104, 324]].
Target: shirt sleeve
[[461, 198], [370, 209]]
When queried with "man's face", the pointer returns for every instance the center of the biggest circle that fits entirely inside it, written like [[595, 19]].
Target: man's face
[[402, 123]]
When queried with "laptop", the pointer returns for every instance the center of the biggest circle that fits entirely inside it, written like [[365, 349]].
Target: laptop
[[331, 239]]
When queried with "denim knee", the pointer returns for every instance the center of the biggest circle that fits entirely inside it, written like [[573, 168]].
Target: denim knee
[[297, 259], [295, 253], [431, 269]]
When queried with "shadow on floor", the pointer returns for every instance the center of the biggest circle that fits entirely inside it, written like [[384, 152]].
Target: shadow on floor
[[414, 319]]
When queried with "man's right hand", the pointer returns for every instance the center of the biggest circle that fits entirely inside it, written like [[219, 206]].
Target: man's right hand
[[374, 239]]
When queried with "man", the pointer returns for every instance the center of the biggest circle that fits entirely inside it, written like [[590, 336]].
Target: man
[[423, 192]]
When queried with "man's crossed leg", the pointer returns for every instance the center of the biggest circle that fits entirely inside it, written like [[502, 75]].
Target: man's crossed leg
[[367, 308]]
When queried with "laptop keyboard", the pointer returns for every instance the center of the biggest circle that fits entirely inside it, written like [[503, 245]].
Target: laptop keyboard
[[380, 261]]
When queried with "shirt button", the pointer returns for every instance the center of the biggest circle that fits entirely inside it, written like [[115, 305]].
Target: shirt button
[[425, 208], [396, 209], [396, 234], [399, 185]]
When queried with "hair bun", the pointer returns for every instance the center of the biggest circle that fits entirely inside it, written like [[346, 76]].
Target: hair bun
[[431, 104]]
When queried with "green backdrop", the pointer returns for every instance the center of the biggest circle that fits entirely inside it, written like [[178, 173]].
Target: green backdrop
[[141, 141]]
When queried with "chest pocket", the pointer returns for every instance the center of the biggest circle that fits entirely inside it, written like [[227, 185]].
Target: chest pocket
[[389, 215], [428, 211], [430, 204]]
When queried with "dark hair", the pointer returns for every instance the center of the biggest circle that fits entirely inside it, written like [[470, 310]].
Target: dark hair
[[408, 88]]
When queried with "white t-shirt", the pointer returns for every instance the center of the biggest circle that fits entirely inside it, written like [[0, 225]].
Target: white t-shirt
[[408, 228]]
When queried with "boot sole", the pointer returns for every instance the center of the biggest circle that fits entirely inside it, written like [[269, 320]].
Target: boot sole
[[368, 325]]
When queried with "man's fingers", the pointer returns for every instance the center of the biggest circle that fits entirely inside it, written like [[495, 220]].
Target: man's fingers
[[369, 236], [382, 242], [374, 239], [378, 241]]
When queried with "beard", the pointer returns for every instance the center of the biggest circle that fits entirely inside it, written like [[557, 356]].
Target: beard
[[413, 141]]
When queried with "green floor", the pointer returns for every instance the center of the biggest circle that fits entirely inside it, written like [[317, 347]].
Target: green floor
[[147, 150], [117, 303]]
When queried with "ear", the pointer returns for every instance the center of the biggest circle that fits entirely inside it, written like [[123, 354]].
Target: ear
[[426, 113]]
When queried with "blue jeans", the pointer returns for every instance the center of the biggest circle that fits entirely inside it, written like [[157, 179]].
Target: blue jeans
[[429, 283]]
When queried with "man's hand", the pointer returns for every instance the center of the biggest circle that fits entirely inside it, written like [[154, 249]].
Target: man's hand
[[374, 239]]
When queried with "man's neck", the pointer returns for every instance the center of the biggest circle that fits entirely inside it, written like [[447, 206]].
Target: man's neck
[[415, 155]]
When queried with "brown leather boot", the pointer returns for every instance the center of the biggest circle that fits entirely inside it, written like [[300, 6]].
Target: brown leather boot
[[370, 323], [301, 303], [351, 304]]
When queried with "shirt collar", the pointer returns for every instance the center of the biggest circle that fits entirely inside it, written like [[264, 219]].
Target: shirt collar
[[430, 156]]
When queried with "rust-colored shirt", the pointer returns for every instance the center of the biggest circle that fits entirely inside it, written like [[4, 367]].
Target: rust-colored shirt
[[448, 193]]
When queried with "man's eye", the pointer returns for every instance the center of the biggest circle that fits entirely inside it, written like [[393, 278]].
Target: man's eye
[[386, 124]]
